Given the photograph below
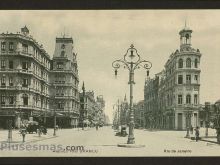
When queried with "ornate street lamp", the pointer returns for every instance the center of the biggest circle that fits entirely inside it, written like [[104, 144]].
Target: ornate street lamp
[[207, 109], [55, 117], [188, 118], [131, 62]]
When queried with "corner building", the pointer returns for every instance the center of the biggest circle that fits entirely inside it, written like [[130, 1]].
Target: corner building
[[32, 86], [179, 87], [24, 73]]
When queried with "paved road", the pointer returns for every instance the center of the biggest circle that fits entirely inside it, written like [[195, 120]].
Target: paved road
[[104, 143]]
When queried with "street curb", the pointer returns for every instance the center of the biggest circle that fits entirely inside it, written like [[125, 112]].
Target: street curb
[[209, 141], [205, 140], [40, 140], [33, 141]]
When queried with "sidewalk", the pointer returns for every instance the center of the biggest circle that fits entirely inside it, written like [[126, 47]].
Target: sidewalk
[[17, 137]]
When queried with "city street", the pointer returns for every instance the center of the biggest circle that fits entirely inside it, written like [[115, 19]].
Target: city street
[[104, 143]]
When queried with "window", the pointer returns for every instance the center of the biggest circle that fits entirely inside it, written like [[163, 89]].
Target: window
[[3, 64], [11, 65], [180, 79], [62, 53], [24, 65], [11, 99], [3, 46], [180, 63], [63, 46], [10, 81], [196, 78], [180, 99], [25, 83], [195, 99], [2, 99], [3, 81], [24, 48], [59, 65], [188, 63], [188, 79], [188, 99], [11, 46], [61, 105], [25, 99], [196, 63], [168, 100]]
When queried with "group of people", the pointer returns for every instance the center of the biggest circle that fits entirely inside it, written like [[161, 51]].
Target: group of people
[[196, 132]]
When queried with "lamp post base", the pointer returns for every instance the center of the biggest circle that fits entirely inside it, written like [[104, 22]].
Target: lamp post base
[[130, 140], [131, 145]]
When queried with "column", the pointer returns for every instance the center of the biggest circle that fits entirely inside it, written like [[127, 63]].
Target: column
[[193, 120], [184, 120], [176, 120]]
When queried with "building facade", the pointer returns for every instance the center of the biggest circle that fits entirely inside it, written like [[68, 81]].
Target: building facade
[[64, 82], [178, 87], [28, 79], [92, 110], [139, 114]]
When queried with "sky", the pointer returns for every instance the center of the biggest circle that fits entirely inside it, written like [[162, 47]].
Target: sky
[[102, 36]]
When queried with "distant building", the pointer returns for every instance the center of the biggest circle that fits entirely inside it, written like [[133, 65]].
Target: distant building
[[92, 111], [178, 88], [124, 112], [139, 114], [32, 86]]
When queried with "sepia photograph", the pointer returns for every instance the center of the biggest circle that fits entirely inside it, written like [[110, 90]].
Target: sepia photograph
[[110, 83]]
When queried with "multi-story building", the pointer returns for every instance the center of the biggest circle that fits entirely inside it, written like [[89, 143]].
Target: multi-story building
[[101, 106], [24, 73], [151, 109], [139, 114], [27, 81], [64, 82], [124, 112], [92, 110], [89, 115], [179, 87]]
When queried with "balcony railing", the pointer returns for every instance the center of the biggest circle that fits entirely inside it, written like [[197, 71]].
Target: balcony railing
[[23, 53], [23, 107]]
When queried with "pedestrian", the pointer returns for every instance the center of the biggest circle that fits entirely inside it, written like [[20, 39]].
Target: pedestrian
[[197, 133], [23, 133], [97, 127]]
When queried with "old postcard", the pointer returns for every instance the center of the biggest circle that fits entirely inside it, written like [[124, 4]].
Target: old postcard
[[109, 83]]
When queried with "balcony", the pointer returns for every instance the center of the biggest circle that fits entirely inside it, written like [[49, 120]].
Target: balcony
[[62, 96], [23, 53]]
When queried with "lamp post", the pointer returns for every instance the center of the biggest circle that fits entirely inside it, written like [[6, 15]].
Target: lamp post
[[188, 117], [83, 106], [131, 62], [55, 117], [207, 108], [10, 130]]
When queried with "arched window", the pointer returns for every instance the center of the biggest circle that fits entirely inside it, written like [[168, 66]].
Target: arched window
[[25, 99], [188, 63], [195, 99], [196, 63], [180, 63], [188, 99], [62, 53], [187, 38]]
